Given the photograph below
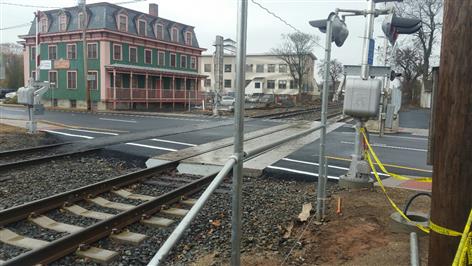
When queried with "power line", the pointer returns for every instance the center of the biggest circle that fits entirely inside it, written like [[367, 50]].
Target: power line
[[16, 26], [282, 20], [56, 7]]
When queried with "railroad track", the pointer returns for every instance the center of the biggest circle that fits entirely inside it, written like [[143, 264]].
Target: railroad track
[[294, 113], [126, 207]]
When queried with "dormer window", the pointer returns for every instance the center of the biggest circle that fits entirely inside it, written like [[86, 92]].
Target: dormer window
[[81, 20], [175, 34], [63, 22], [188, 38], [43, 24], [123, 22], [159, 31], [142, 27]]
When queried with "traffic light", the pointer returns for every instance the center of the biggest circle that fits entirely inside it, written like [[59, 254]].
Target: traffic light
[[392, 26], [339, 30]]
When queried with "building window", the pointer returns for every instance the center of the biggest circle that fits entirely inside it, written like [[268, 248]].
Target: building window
[[173, 60], [283, 68], [159, 31], [133, 54], [270, 68], [228, 67], [227, 83], [71, 80], [73, 103], [92, 80], [161, 58], [193, 62], [293, 84], [282, 84], [248, 67], [175, 35], [117, 54], [271, 84], [33, 53], [134, 82], [81, 20], [207, 83], [142, 26], [257, 85], [52, 52], [183, 61], [63, 22], [147, 56], [92, 50], [260, 68], [118, 80], [52, 79], [207, 67], [123, 23], [71, 51], [43, 25], [33, 75], [188, 38]]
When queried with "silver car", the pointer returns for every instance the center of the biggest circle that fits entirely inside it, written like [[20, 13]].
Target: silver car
[[227, 101]]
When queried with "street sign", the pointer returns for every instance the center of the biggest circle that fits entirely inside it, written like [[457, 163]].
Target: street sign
[[370, 58], [45, 64]]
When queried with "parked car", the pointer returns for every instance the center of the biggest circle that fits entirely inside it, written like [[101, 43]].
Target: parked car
[[227, 101], [10, 95], [4, 91]]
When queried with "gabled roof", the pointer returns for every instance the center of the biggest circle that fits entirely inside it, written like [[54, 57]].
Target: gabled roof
[[103, 16]]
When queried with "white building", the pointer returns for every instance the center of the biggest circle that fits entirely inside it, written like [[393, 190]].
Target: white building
[[265, 74]]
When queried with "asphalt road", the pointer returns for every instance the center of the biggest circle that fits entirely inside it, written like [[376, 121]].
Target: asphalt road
[[404, 153]]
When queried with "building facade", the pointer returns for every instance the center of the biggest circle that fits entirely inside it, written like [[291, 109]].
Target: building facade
[[135, 60], [265, 74]]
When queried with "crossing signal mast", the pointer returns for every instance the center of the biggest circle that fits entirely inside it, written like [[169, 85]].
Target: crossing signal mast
[[362, 98]]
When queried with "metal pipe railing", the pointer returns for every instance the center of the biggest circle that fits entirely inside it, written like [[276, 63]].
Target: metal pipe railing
[[185, 223], [414, 255]]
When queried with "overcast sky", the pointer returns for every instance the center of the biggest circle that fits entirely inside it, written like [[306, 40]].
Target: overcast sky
[[218, 17]]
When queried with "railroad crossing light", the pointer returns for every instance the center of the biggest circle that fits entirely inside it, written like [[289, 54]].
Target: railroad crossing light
[[339, 29], [392, 26]]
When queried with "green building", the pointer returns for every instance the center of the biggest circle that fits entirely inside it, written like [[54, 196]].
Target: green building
[[134, 60]]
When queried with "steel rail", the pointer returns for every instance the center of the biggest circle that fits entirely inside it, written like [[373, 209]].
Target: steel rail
[[293, 113], [11, 165], [37, 148], [21, 212], [68, 244]]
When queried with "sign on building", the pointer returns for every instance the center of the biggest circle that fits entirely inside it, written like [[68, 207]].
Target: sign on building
[[45, 64], [61, 64]]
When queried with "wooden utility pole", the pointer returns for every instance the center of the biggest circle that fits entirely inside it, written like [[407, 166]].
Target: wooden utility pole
[[452, 162]]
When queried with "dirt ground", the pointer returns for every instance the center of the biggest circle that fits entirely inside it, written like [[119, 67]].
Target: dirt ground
[[360, 235], [17, 138]]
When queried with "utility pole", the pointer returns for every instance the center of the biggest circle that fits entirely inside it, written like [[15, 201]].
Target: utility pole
[[83, 6], [452, 161], [236, 218], [218, 70]]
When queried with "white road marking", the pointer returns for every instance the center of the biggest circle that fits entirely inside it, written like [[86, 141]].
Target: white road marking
[[67, 134], [329, 166], [150, 147], [118, 120], [388, 146], [174, 142], [299, 172], [90, 131]]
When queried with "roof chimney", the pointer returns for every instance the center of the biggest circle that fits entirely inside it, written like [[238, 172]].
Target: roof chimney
[[154, 10]]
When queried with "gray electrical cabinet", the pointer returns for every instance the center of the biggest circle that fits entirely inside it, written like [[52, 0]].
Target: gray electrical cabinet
[[362, 97], [25, 95]]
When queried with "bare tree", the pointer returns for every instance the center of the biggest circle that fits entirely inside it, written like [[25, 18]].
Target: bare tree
[[13, 63], [296, 52], [335, 72], [410, 62], [430, 13]]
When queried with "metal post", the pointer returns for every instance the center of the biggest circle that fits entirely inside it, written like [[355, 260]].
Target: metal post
[[239, 133], [322, 169], [414, 256], [383, 100], [369, 29], [218, 72], [85, 56]]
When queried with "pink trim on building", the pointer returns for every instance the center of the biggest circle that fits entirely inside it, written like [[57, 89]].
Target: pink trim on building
[[104, 60]]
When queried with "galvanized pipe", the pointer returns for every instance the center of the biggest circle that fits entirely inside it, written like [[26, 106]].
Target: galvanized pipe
[[239, 133], [185, 223], [322, 176], [414, 257], [369, 30]]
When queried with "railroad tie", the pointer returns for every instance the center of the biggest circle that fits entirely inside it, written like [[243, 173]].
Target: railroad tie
[[110, 204], [130, 195], [77, 210]]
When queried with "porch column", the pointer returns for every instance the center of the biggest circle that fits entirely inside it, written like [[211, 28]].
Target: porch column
[[160, 91], [131, 90], [185, 92], [173, 93], [147, 91], [114, 89], [197, 83]]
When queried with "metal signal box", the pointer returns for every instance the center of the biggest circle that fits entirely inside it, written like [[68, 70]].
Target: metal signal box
[[362, 97], [26, 95]]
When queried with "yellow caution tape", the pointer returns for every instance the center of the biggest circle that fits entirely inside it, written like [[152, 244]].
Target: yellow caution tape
[[382, 167], [464, 251]]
